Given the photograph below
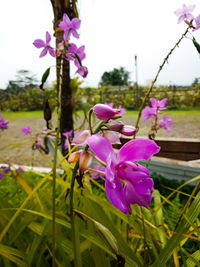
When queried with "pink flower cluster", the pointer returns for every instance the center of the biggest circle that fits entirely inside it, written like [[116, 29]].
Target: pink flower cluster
[[70, 51], [126, 181], [153, 112], [3, 123], [185, 14]]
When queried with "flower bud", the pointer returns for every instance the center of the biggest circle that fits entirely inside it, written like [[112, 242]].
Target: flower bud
[[115, 126], [105, 112], [73, 157], [80, 138], [128, 130], [85, 160]]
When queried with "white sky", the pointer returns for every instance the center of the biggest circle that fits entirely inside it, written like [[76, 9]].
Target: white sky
[[113, 31]]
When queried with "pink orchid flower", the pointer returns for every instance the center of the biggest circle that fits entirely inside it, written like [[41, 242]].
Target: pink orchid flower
[[185, 13], [165, 123], [38, 143], [3, 123], [138, 185], [26, 130], [149, 113], [69, 27], [158, 104], [83, 71], [46, 45], [197, 22]]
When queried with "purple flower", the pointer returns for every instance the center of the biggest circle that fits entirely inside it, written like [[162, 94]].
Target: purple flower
[[4, 170], [138, 185], [105, 112], [159, 105], [26, 130], [46, 45], [148, 113], [185, 13], [20, 169], [69, 27], [3, 123], [197, 22], [83, 71], [165, 123], [38, 143], [122, 110], [74, 52]]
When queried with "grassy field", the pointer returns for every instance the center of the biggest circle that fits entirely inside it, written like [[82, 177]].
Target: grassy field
[[16, 148]]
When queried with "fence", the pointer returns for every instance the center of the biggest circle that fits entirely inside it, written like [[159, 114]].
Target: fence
[[131, 97]]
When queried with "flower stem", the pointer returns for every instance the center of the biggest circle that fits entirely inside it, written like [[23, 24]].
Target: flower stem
[[155, 79], [74, 230], [54, 168]]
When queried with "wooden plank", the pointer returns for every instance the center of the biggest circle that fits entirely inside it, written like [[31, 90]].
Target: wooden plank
[[175, 148]]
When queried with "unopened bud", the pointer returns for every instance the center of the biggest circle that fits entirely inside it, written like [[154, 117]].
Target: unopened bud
[[73, 157], [128, 130], [80, 138], [85, 160], [116, 126]]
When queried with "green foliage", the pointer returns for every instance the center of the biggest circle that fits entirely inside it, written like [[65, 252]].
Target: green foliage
[[146, 237], [115, 77]]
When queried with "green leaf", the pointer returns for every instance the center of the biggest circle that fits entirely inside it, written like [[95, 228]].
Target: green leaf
[[184, 225], [196, 44], [44, 78], [13, 255], [193, 259]]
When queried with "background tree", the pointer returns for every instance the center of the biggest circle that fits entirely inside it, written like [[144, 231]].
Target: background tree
[[66, 121], [115, 77]]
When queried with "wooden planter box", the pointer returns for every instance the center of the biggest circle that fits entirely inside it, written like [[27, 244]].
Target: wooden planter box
[[178, 158]]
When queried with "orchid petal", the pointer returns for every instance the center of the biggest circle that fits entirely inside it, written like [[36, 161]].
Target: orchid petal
[[76, 23], [44, 52], [139, 149], [81, 137], [39, 43], [139, 193], [48, 38], [116, 196], [101, 147], [52, 52]]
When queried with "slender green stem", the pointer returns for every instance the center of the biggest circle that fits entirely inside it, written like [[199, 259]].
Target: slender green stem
[[90, 120], [54, 168], [77, 257], [155, 79]]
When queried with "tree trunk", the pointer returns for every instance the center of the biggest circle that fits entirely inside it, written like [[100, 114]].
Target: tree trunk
[[66, 121]]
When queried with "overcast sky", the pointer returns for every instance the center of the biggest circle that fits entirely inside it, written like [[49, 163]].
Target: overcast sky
[[113, 32]]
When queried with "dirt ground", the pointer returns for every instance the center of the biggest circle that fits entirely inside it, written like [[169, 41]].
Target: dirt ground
[[16, 148]]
